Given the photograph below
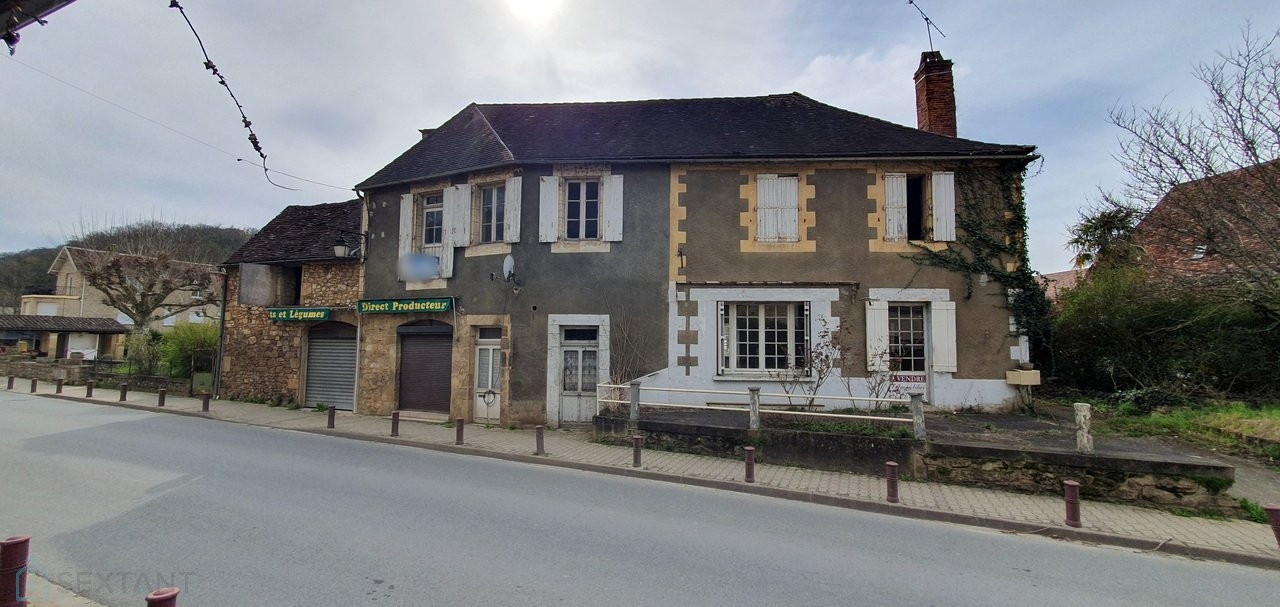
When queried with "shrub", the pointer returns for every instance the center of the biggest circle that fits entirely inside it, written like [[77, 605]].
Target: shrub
[[142, 351], [190, 347]]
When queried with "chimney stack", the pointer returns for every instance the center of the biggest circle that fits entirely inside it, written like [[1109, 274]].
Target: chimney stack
[[935, 95]]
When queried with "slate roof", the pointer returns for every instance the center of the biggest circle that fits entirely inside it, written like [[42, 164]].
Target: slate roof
[[302, 233], [60, 324], [773, 126]]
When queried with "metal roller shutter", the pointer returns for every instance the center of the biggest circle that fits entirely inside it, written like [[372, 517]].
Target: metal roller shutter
[[331, 372], [425, 372]]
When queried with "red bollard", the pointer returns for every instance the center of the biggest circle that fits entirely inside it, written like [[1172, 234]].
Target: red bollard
[[204, 402], [537, 433], [164, 597], [750, 475], [1071, 494], [34, 383], [124, 391], [57, 386], [891, 482], [635, 450], [457, 425], [333, 411], [160, 397], [13, 570], [395, 423], [88, 389], [1273, 517]]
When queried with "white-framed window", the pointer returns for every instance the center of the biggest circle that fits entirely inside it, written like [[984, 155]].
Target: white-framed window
[[46, 309], [432, 205], [582, 209], [1200, 252], [492, 202], [580, 347], [170, 321], [920, 206], [777, 208], [124, 319], [763, 336], [907, 337]]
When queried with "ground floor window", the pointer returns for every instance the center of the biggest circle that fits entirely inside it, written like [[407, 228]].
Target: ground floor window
[[580, 347], [764, 336], [906, 337]]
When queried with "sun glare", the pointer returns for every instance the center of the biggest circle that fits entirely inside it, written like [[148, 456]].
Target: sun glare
[[537, 12]]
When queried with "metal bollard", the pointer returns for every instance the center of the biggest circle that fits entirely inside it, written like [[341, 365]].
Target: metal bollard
[[160, 397], [88, 389], [1071, 495], [750, 474], [124, 391], [457, 426], [395, 423], [164, 597], [57, 386], [1273, 517], [13, 570], [10, 386], [635, 450], [891, 482], [204, 402], [333, 412], [34, 384], [538, 445]]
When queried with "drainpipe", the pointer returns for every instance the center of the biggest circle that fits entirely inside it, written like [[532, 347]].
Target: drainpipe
[[222, 338]]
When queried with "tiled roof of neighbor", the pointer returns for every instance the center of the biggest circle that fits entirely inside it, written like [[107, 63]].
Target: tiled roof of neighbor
[[773, 126], [60, 324], [1056, 282], [302, 233]]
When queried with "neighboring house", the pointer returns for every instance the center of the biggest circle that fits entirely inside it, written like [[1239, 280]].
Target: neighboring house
[[290, 329], [1057, 282], [74, 297], [62, 336], [696, 243]]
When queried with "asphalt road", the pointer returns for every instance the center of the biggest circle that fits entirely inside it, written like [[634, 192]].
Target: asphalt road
[[120, 500]]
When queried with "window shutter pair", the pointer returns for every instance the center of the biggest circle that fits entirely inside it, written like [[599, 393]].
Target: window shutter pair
[[944, 206], [777, 209], [610, 208], [942, 335]]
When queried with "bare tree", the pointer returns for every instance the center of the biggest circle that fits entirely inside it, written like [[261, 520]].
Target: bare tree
[[1206, 182], [140, 286]]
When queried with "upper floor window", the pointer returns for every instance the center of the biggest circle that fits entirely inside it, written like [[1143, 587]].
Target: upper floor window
[[432, 218], [920, 207], [492, 213], [777, 209], [582, 209]]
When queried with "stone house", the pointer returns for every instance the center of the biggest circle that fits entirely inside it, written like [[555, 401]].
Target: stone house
[[520, 254], [290, 327], [74, 297]]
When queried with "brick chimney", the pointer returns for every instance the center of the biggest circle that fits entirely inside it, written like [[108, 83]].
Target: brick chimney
[[935, 95]]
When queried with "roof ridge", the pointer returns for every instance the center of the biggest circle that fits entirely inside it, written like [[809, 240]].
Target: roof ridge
[[510, 155], [640, 101]]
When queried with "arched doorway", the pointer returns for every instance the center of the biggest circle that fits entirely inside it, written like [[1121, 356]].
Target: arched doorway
[[331, 365], [426, 366]]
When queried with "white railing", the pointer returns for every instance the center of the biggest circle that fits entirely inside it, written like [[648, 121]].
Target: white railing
[[752, 408]]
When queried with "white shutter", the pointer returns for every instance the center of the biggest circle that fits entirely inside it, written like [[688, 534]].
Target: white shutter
[[942, 333], [445, 253], [895, 206], [944, 206], [611, 195], [457, 216], [788, 209], [511, 231], [407, 218], [877, 335], [549, 209], [768, 207]]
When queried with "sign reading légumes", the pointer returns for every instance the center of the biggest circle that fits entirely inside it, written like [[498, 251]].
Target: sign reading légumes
[[297, 314]]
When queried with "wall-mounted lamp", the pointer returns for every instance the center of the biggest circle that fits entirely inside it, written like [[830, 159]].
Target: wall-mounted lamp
[[340, 247]]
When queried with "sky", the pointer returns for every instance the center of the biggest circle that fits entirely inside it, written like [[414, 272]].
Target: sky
[[107, 114]]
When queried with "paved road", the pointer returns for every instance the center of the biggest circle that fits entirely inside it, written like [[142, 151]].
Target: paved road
[[251, 516]]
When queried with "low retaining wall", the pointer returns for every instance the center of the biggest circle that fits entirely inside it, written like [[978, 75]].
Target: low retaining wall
[[1160, 484], [175, 386], [48, 371]]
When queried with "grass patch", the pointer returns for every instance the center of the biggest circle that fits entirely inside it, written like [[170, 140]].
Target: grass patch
[[1212, 425], [1253, 511]]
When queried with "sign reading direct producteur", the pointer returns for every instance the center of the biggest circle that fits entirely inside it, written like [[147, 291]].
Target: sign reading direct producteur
[[400, 306], [297, 314]]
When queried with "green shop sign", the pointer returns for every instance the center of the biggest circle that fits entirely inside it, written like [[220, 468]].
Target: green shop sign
[[297, 314], [404, 306]]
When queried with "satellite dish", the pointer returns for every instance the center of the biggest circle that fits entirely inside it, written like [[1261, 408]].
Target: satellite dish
[[508, 268]]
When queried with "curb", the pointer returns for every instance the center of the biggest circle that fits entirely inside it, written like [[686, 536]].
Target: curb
[[1167, 546]]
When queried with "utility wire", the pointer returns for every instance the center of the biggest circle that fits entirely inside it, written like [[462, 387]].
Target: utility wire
[[208, 65], [163, 125]]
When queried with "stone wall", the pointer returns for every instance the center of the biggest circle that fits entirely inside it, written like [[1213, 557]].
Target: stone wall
[[45, 370], [330, 284], [173, 386]]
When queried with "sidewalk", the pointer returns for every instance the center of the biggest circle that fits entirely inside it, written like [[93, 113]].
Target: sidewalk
[[1114, 524]]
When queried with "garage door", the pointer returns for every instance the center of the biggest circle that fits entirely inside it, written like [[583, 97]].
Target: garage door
[[426, 355], [331, 366]]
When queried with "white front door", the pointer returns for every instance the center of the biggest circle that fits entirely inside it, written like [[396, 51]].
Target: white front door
[[488, 374], [579, 371], [908, 349]]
